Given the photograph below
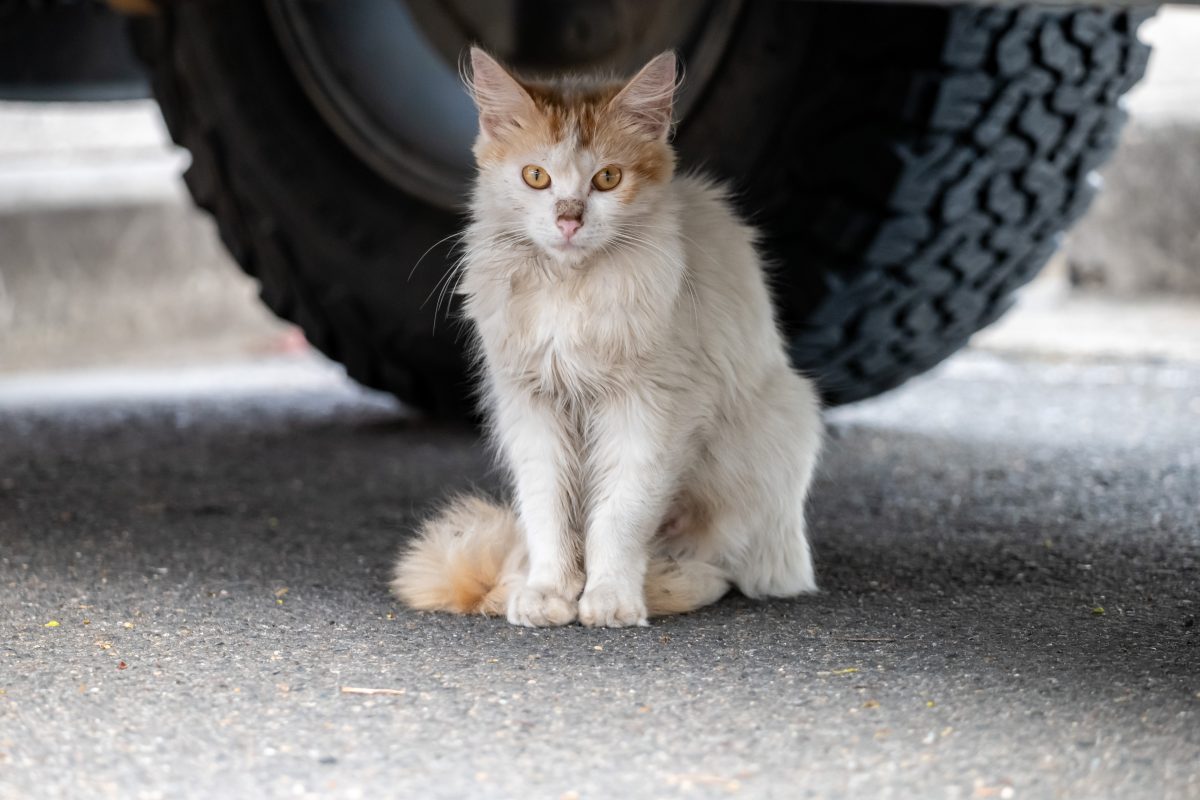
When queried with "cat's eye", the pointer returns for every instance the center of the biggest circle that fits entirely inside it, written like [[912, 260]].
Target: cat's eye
[[536, 177], [607, 178]]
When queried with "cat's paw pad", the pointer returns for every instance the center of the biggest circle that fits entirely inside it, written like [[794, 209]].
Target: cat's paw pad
[[541, 607], [607, 606]]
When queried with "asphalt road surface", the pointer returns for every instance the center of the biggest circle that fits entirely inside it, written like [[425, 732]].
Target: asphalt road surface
[[193, 568]]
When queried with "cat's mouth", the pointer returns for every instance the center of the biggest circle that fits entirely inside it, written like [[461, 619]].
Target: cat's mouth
[[571, 255], [569, 247]]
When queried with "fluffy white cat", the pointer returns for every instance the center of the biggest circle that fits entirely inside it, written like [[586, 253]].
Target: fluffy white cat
[[659, 442]]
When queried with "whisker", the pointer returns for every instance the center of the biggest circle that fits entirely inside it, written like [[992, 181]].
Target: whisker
[[456, 235]]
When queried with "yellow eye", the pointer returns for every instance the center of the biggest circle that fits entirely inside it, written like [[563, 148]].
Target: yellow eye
[[536, 177], [607, 178]]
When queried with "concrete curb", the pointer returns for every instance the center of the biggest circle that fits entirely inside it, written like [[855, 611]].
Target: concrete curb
[[1141, 236]]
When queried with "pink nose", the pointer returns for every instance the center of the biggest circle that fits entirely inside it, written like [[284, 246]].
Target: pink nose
[[568, 226]]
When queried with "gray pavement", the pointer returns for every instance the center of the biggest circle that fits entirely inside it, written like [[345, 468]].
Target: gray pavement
[[1008, 550]]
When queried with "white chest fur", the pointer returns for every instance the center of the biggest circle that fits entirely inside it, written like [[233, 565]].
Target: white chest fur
[[574, 332]]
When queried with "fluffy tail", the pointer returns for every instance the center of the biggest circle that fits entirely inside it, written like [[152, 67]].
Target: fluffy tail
[[677, 587], [467, 559], [462, 560]]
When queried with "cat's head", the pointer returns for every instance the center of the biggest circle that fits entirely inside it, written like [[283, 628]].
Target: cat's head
[[573, 166]]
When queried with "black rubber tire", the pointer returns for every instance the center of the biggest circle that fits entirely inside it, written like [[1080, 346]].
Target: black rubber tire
[[910, 167], [926, 167]]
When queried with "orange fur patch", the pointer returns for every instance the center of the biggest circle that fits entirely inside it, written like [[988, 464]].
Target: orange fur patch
[[460, 559], [677, 587]]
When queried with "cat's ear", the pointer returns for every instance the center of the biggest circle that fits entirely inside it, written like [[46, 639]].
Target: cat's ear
[[501, 100], [645, 102]]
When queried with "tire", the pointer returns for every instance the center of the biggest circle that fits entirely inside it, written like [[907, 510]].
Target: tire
[[940, 154], [909, 166]]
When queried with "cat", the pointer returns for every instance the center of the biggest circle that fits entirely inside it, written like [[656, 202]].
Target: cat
[[634, 379]]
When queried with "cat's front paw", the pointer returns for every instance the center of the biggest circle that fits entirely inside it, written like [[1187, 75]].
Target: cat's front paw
[[541, 607], [610, 606]]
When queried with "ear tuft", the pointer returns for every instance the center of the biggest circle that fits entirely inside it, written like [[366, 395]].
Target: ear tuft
[[502, 102], [646, 100]]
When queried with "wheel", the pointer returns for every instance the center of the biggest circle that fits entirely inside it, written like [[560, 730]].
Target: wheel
[[909, 166]]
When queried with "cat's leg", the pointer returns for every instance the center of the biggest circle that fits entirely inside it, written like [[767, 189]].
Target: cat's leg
[[632, 475], [758, 472], [537, 442]]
